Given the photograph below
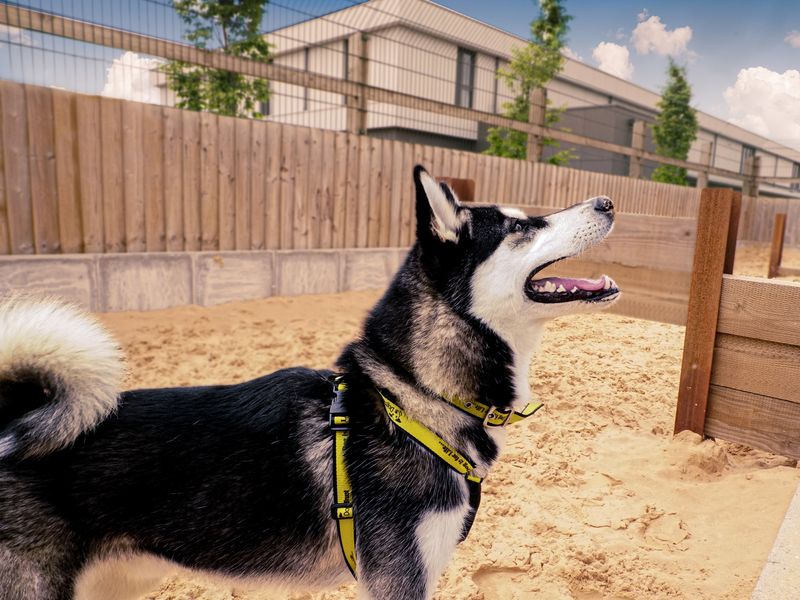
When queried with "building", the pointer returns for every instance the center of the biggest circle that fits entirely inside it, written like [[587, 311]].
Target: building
[[420, 47]]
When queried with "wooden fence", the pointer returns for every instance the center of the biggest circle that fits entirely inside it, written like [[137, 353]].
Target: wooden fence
[[740, 377], [91, 174]]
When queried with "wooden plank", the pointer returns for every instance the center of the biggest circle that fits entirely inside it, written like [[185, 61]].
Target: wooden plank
[[352, 195], [154, 217], [192, 174], [41, 162], [242, 153], [340, 185], [758, 308], [757, 366], [385, 193], [227, 182], [396, 184], [173, 179], [314, 187], [113, 175], [288, 172], [733, 232], [704, 300], [406, 184], [362, 204], [209, 181], [760, 421], [5, 242], [272, 235], [133, 152], [375, 188], [301, 237], [776, 249], [328, 175], [66, 172], [90, 161], [19, 207], [418, 158], [258, 184]]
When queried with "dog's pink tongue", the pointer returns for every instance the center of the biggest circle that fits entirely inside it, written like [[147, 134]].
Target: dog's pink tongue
[[589, 285]]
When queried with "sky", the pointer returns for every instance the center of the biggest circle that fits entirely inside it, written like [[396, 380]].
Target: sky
[[742, 58]]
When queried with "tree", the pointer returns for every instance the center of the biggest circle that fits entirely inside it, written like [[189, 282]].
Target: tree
[[227, 26], [676, 125], [533, 66]]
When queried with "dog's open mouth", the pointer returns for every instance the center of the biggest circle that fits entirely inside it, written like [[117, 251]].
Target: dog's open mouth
[[553, 290]]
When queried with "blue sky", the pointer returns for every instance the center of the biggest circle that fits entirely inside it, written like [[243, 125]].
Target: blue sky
[[726, 38]]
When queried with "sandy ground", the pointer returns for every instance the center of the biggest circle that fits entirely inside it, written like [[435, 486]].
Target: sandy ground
[[593, 498]]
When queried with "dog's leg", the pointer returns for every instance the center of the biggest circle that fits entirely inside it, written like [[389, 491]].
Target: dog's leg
[[124, 577], [405, 563]]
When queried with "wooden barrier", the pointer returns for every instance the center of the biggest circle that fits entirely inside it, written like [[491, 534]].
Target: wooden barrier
[[775, 268], [740, 378], [91, 174]]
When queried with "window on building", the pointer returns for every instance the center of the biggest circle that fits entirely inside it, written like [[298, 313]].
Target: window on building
[[796, 173], [465, 77], [748, 152], [264, 107]]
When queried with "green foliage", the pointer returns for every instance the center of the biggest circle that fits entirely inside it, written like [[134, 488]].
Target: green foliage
[[231, 27], [533, 66], [676, 125]]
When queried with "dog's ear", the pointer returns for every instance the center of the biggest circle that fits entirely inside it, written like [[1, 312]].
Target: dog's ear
[[437, 209]]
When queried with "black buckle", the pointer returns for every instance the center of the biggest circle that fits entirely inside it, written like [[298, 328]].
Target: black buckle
[[341, 510], [338, 419]]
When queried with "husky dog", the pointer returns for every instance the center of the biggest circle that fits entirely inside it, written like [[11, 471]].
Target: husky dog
[[102, 492]]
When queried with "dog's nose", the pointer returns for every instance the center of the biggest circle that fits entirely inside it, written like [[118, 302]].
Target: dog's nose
[[603, 204]]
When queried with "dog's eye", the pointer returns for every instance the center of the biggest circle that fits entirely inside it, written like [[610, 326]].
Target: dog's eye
[[518, 227]]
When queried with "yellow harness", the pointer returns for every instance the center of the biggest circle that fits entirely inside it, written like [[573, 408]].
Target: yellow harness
[[342, 508]]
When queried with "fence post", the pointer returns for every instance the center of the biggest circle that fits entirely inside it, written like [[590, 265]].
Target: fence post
[[357, 73], [776, 251], [750, 184], [705, 158], [537, 114], [637, 143], [714, 240]]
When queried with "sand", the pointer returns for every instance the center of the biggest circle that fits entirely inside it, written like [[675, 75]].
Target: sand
[[592, 499]]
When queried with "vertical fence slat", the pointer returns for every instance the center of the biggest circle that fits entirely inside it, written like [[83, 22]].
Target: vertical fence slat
[[5, 242], [227, 182], [352, 184], [288, 173], [133, 176], [300, 236], [395, 184], [314, 187], [15, 159], [153, 140], [41, 161], [362, 204], [173, 181], [191, 179], [209, 182], [340, 185], [272, 227], [385, 193], [242, 184], [375, 184], [328, 174], [90, 166], [258, 184], [113, 177]]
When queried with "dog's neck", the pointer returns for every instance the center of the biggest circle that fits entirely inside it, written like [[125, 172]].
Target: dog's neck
[[437, 353]]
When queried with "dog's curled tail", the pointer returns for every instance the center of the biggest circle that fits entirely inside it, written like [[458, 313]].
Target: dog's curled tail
[[60, 373]]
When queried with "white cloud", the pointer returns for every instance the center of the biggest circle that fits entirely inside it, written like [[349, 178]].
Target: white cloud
[[133, 77], [642, 16], [793, 39], [570, 53], [651, 35], [767, 103], [614, 59]]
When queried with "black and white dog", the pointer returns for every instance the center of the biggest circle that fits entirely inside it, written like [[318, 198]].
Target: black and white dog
[[103, 493]]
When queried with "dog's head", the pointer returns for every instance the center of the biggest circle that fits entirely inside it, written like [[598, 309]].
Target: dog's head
[[485, 259]]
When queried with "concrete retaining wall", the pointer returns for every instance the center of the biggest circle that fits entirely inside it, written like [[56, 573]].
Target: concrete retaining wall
[[150, 281]]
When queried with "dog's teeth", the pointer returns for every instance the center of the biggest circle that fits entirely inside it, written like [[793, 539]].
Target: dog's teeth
[[573, 290], [607, 285], [549, 287], [561, 289]]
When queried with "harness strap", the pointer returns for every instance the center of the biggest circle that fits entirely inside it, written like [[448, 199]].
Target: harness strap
[[491, 416], [342, 508]]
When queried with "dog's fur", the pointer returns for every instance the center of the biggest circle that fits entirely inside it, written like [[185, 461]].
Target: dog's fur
[[102, 493]]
